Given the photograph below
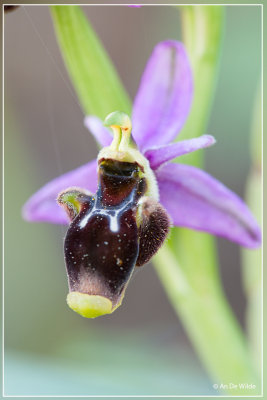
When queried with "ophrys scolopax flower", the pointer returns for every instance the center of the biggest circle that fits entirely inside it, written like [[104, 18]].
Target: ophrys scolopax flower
[[100, 253]]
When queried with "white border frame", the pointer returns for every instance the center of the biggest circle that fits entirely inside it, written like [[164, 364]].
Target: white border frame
[[3, 207]]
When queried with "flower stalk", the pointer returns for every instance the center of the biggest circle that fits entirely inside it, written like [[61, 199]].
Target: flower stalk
[[209, 322], [252, 272], [202, 28]]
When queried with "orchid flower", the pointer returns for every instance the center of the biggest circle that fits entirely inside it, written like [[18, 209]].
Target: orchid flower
[[159, 192]]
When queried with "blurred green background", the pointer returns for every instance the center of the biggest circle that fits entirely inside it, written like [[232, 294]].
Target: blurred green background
[[141, 348]]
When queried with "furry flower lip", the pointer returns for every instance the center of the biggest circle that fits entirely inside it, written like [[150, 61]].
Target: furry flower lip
[[191, 197]]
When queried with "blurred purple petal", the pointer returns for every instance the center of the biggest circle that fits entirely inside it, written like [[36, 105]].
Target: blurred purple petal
[[101, 134], [196, 200], [42, 206], [164, 97], [160, 155]]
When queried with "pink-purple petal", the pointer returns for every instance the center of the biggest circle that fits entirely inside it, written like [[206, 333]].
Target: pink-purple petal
[[42, 206], [164, 97], [196, 200], [162, 154], [101, 134]]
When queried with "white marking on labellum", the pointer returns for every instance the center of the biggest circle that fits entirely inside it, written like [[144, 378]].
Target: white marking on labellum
[[113, 219], [114, 226]]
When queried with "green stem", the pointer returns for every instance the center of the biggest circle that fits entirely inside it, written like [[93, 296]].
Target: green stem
[[210, 324], [252, 272], [187, 264], [202, 30]]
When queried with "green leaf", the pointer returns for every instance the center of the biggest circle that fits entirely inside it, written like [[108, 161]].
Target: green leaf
[[93, 75]]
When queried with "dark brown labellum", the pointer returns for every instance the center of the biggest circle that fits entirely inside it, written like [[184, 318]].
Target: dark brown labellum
[[103, 243]]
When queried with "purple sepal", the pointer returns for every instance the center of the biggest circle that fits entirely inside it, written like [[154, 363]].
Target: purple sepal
[[164, 97], [162, 154], [42, 206], [196, 200], [101, 134]]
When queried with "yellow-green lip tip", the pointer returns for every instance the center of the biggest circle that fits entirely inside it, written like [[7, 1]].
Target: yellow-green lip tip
[[89, 306]]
